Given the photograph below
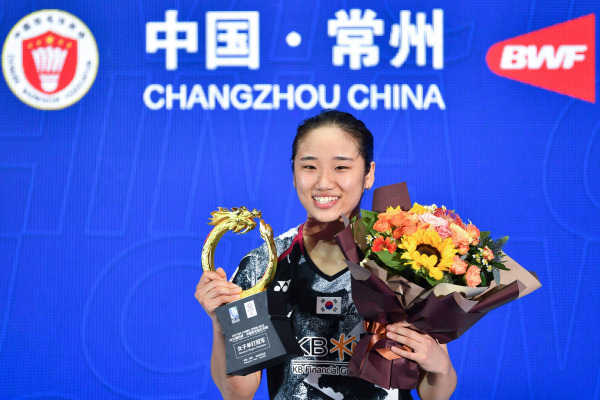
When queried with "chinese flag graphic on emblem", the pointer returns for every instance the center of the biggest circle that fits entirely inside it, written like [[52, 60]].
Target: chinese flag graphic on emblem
[[49, 61]]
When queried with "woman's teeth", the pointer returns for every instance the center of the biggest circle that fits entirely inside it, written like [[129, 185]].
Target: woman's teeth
[[325, 200]]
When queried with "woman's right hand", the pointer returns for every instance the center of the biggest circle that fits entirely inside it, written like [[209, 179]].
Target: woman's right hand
[[214, 290]]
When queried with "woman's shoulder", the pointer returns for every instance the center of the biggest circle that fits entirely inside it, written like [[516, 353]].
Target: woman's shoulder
[[282, 243], [254, 262]]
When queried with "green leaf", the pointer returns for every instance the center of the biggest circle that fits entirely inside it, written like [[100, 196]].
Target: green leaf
[[502, 241], [498, 265], [366, 214], [483, 280], [432, 281], [496, 276], [393, 261], [368, 223]]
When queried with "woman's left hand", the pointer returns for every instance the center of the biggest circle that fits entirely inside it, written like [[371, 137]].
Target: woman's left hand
[[430, 356]]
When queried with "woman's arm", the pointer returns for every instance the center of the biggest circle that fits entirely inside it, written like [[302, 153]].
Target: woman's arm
[[231, 387], [438, 378], [439, 385], [213, 291]]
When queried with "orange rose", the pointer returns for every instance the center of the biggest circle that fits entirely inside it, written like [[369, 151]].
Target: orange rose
[[411, 217], [460, 237], [409, 230], [459, 267], [424, 226], [382, 225], [397, 234], [398, 220], [474, 233], [463, 249], [473, 278]]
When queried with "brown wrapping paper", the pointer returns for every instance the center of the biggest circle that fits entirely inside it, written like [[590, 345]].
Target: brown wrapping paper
[[382, 299]]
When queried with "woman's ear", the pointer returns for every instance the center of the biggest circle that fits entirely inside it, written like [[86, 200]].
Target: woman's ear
[[370, 178]]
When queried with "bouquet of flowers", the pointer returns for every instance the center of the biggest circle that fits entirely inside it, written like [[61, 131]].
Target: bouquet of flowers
[[431, 245], [423, 265]]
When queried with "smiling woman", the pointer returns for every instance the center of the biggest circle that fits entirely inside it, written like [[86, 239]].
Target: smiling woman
[[329, 174], [332, 164]]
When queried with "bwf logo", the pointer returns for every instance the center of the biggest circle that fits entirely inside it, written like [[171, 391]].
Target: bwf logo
[[560, 58], [529, 57]]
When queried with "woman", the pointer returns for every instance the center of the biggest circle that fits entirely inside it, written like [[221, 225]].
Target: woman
[[332, 163]]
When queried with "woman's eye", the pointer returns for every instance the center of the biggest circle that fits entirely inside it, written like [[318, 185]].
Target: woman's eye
[[309, 167], [341, 167]]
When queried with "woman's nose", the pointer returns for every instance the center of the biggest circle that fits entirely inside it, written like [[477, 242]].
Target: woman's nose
[[324, 181]]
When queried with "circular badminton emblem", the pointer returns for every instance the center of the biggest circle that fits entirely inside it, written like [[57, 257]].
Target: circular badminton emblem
[[239, 220], [50, 59]]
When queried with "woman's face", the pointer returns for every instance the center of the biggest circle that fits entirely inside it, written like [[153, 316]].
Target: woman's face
[[329, 174]]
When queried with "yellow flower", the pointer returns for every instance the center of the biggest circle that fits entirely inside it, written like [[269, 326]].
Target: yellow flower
[[418, 209], [426, 249], [392, 211], [389, 213]]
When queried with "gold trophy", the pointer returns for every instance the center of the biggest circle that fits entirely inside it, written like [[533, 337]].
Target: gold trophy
[[256, 336], [239, 220]]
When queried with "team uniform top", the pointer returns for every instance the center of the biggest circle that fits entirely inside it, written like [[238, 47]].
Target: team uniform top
[[325, 322]]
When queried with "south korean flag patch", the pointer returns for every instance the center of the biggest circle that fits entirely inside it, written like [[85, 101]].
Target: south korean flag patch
[[329, 305]]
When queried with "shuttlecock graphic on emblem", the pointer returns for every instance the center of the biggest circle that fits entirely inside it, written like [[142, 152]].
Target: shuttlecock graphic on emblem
[[49, 62]]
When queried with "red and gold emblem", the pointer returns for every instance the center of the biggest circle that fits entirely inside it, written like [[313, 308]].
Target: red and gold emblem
[[50, 59]]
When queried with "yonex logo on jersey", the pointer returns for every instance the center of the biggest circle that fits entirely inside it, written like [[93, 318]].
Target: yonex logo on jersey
[[282, 286], [329, 305]]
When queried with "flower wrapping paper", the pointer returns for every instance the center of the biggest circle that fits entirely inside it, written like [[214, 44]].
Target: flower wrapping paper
[[441, 312]]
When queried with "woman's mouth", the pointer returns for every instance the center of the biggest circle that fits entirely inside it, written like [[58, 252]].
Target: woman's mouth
[[325, 201]]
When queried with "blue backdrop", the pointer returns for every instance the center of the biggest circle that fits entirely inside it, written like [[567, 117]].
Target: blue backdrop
[[104, 204]]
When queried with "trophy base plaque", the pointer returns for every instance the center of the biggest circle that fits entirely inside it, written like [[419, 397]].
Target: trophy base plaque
[[257, 334]]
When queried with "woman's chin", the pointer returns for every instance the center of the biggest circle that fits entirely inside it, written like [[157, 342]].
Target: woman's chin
[[326, 218]]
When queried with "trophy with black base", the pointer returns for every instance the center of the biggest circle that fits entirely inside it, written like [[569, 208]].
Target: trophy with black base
[[257, 334]]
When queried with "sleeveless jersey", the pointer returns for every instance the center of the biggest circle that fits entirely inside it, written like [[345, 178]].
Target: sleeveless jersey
[[325, 322]]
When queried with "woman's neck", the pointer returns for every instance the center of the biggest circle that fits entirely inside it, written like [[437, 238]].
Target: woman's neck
[[326, 231], [322, 231], [319, 242]]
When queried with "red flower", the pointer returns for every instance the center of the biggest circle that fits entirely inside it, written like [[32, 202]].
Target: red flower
[[392, 247], [379, 244]]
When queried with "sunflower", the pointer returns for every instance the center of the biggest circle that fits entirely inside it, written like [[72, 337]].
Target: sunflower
[[426, 249]]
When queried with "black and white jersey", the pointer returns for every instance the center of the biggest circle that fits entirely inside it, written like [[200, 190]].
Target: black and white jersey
[[325, 322]]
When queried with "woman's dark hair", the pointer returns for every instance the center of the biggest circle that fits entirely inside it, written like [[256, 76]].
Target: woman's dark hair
[[346, 122]]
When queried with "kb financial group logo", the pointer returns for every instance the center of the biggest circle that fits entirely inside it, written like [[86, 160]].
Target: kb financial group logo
[[50, 59], [560, 58]]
